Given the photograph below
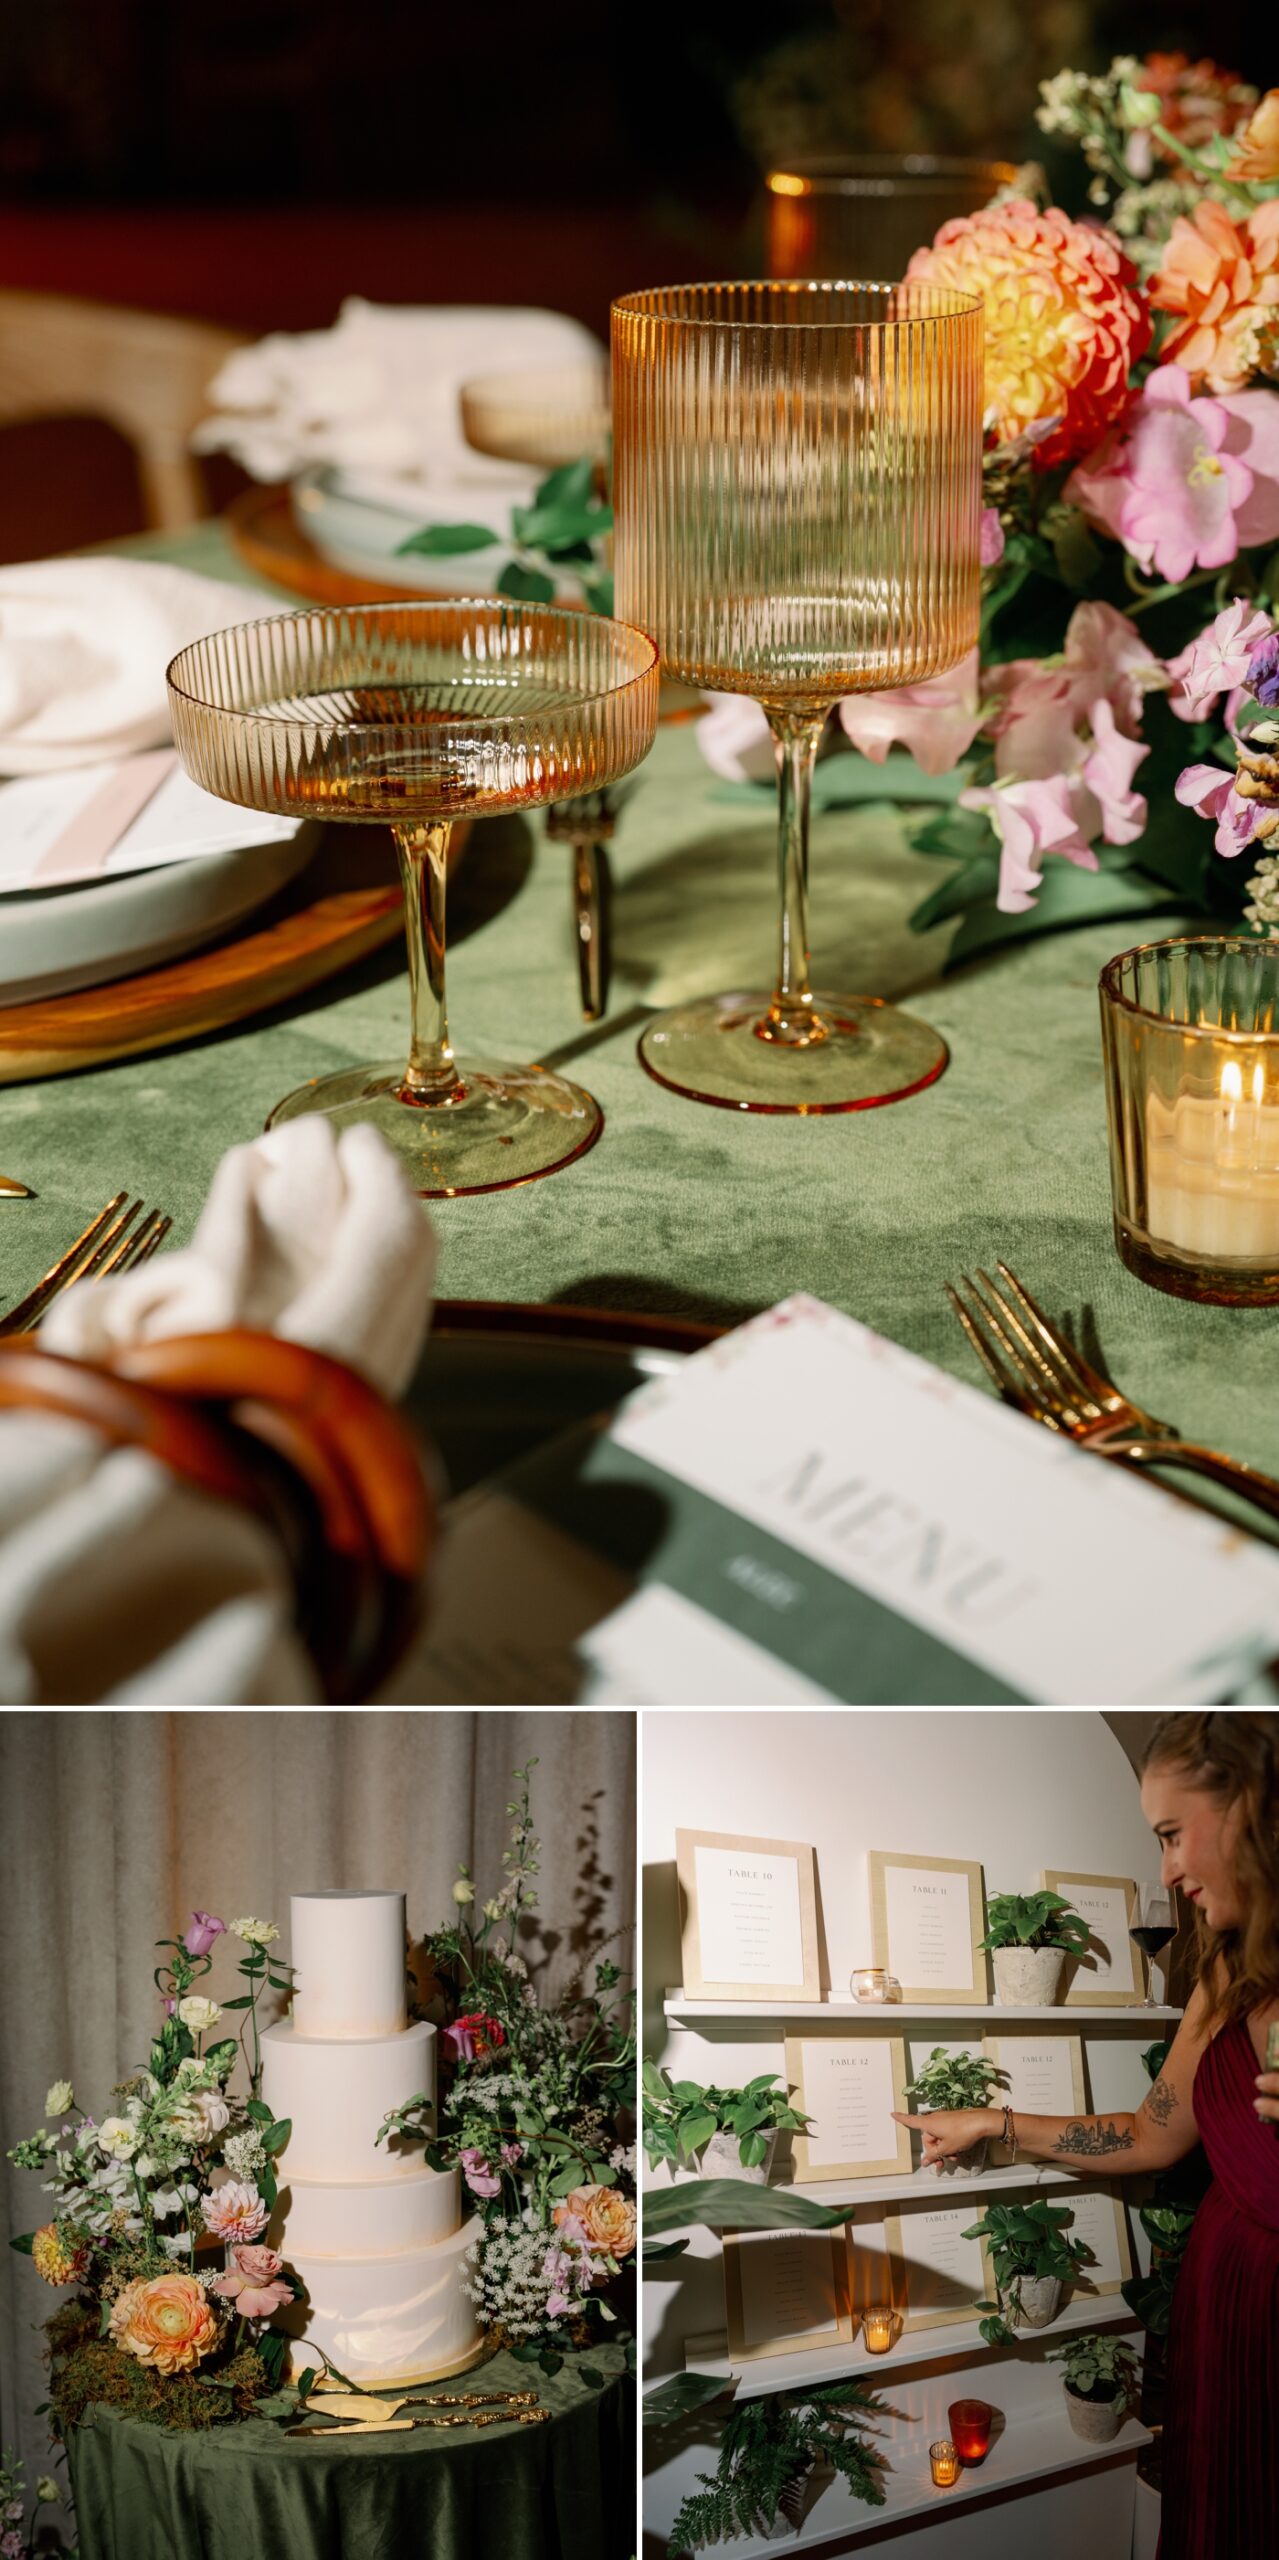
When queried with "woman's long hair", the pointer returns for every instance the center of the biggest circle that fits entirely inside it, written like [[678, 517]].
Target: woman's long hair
[[1235, 1760]]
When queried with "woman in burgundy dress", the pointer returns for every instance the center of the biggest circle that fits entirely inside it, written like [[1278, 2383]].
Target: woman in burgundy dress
[[1210, 1790]]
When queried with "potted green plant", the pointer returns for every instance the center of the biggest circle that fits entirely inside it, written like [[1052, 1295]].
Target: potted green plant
[[1032, 2259], [955, 2079], [723, 2133], [1029, 1936], [1100, 2375]]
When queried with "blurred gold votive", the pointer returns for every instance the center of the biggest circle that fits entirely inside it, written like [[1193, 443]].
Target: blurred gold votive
[[877, 2329], [871, 1983], [1190, 1033], [945, 2463]]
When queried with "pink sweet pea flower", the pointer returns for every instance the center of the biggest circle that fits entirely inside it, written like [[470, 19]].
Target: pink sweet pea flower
[[1031, 819], [1211, 793], [991, 538], [1252, 437], [1105, 654], [1217, 662], [510, 2153], [202, 1933], [937, 720], [735, 738], [1108, 773], [481, 2180], [1165, 482]]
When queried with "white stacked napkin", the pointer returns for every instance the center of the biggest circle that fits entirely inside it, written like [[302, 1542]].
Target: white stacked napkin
[[377, 396], [84, 644], [121, 1585]]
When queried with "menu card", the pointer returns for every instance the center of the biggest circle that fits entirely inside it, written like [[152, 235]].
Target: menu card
[[782, 2292], [945, 2274], [748, 1917], [1100, 2221], [132, 815], [1045, 2074], [849, 2086], [1107, 1974], [924, 1914]]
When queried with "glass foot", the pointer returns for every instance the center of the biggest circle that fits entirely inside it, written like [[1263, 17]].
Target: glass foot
[[714, 1051], [500, 1126]]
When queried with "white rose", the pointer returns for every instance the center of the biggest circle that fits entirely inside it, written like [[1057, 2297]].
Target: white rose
[[47, 2491], [214, 2112], [463, 1891], [119, 2138], [60, 2100], [255, 1933], [198, 2014]]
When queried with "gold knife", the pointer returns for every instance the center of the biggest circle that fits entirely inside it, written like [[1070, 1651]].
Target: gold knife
[[10, 1190]]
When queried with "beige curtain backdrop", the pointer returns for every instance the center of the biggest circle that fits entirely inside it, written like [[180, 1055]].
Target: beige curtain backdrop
[[115, 1826]]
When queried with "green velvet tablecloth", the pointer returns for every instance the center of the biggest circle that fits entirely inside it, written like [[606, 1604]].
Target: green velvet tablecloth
[[560, 2492], [680, 1207]]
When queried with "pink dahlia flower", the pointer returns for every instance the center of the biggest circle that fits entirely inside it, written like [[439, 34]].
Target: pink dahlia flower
[[235, 2211], [1217, 662], [1166, 481]]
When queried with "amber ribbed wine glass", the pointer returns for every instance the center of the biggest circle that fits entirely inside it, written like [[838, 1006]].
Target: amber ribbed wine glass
[[422, 714], [797, 492]]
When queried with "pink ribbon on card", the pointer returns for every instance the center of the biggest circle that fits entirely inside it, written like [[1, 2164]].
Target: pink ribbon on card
[[88, 841]]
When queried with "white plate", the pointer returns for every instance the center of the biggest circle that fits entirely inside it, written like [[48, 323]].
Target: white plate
[[55, 940], [363, 538]]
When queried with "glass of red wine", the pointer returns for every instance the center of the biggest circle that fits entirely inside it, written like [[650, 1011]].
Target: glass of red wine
[[1153, 1927]]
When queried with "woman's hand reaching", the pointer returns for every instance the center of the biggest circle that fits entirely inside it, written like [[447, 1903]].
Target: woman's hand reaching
[[946, 2130]]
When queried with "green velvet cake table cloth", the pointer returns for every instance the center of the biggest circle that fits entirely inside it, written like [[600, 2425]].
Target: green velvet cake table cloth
[[681, 1208], [565, 2491]]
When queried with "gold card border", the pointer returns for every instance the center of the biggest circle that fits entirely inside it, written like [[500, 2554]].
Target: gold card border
[[808, 2174], [920, 1994], [1001, 2156], [895, 2243], [1077, 1994], [738, 2351], [769, 1995]]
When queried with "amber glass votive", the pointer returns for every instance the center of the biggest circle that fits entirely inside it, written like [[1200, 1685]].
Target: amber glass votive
[[878, 2325], [1190, 1032], [873, 1984], [969, 2423], [945, 2463]]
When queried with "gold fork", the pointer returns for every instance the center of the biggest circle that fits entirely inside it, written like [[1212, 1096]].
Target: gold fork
[[1036, 1369], [120, 1237]]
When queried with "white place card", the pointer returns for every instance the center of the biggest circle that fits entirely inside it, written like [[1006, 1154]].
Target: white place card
[[1045, 2074], [1101, 2222], [133, 815], [944, 2274], [1109, 1975], [782, 2292], [926, 1926], [749, 1916], [849, 2086]]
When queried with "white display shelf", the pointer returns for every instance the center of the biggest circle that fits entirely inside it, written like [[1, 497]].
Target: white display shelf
[[915, 2347], [1041, 2447], [875, 2013], [916, 2186]]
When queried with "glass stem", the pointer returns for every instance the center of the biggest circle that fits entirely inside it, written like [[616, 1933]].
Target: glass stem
[[431, 1074], [790, 1019]]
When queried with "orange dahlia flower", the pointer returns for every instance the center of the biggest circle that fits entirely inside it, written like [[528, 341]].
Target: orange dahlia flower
[[57, 2258], [1255, 158], [1065, 320], [165, 2321], [1222, 280]]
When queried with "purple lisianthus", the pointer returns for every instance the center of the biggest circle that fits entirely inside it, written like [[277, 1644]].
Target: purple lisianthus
[[202, 1931], [1262, 678]]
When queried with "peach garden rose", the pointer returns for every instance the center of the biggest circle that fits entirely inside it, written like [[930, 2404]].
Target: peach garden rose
[[165, 2321], [607, 2218]]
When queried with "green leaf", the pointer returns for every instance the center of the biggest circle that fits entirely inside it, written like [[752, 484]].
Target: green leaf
[[25, 2239], [974, 882], [733, 2204], [526, 586], [588, 2374], [694, 2131], [599, 595], [1067, 896], [1077, 556], [267, 2184], [557, 526], [276, 2135], [440, 541], [850, 781], [242, 2000], [257, 2108], [683, 2393], [653, 2252], [221, 2056], [569, 486]]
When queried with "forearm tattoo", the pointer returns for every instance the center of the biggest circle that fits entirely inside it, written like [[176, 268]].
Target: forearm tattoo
[[1088, 2140], [1161, 2100]]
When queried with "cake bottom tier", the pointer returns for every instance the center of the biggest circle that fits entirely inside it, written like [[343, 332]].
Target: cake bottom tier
[[386, 2319]]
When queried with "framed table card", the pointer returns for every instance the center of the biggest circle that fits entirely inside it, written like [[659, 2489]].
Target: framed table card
[[749, 1911], [926, 1926], [1101, 2222], [1045, 2077], [942, 2275], [1109, 1976], [849, 2085], [784, 2291]]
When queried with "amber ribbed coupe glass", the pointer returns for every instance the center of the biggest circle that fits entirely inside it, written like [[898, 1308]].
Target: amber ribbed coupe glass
[[422, 714], [867, 216], [797, 493]]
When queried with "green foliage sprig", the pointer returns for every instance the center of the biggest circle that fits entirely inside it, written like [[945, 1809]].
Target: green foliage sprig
[[1097, 2366], [680, 2117], [1035, 1920], [766, 2446], [563, 531], [1026, 2242]]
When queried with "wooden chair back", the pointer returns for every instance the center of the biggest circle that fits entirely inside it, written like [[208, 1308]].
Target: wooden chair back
[[147, 374]]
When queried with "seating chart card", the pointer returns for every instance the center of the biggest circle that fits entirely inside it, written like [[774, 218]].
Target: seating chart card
[[926, 1926], [1100, 2220], [944, 2276], [784, 2291], [849, 2085], [1045, 2077], [749, 1917], [1109, 1976]]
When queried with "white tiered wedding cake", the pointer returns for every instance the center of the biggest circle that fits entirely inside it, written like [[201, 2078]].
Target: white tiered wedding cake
[[377, 2238]]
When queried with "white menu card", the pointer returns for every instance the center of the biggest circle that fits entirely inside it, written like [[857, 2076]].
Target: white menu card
[[750, 1926], [944, 2274], [849, 2086], [781, 2292], [1045, 2074], [1108, 1977], [1100, 2221], [926, 1926]]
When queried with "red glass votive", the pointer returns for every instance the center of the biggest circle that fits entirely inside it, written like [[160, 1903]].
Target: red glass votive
[[969, 2422]]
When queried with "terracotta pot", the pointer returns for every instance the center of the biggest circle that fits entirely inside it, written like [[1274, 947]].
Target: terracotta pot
[[1038, 2297], [721, 2158], [1097, 2420], [1028, 1977]]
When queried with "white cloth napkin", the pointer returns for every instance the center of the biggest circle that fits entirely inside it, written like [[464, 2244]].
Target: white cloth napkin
[[121, 1585], [84, 644], [377, 395]]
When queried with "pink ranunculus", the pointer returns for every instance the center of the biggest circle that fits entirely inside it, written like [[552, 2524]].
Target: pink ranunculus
[[1165, 480], [1031, 819], [1217, 661], [991, 538], [735, 738], [1211, 793], [202, 1933], [937, 720], [235, 2211], [481, 2180], [1108, 773]]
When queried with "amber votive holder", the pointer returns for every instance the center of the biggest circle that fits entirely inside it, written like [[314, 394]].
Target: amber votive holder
[[873, 1984], [1190, 1035], [944, 2462], [969, 2422], [879, 2328]]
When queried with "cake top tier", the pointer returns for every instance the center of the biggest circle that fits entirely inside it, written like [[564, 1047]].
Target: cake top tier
[[348, 1960]]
